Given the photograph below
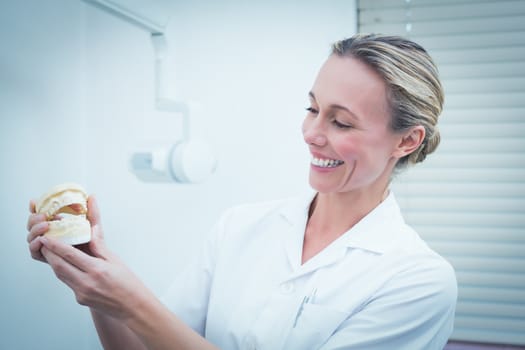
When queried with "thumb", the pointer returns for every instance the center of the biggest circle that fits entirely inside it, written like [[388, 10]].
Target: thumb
[[96, 245], [93, 215]]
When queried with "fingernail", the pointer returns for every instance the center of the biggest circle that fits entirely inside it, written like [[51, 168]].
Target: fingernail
[[44, 240]]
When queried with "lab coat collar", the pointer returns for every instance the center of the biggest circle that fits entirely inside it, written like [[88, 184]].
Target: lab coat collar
[[295, 213], [379, 230], [375, 232]]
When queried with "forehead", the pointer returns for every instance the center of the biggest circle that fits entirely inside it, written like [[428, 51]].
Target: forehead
[[351, 83]]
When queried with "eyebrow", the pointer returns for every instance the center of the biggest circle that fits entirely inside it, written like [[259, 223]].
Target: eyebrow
[[336, 106]]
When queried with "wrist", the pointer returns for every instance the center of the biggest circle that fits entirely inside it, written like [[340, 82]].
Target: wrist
[[144, 308], [158, 328]]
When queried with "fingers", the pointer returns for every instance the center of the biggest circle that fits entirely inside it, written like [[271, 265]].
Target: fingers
[[35, 219], [66, 252], [35, 247], [67, 273], [96, 245], [37, 226], [93, 212]]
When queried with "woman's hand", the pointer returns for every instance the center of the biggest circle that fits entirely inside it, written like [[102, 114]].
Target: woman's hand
[[126, 314], [96, 276]]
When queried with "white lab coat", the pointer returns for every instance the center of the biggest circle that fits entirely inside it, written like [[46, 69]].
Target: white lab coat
[[378, 286]]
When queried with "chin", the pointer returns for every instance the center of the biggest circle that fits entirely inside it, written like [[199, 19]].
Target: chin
[[322, 187]]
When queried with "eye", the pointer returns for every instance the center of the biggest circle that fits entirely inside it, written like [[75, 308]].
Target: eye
[[341, 125], [312, 110]]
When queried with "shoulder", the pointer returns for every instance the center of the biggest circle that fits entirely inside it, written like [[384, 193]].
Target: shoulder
[[247, 222], [251, 226], [247, 215], [422, 272], [416, 269]]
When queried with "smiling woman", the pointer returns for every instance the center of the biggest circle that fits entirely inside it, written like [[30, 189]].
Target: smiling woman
[[337, 269]]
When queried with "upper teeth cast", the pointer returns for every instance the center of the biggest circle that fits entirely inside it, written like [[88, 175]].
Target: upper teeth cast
[[326, 163]]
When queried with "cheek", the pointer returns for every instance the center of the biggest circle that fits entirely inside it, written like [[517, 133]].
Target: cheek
[[361, 148], [347, 148]]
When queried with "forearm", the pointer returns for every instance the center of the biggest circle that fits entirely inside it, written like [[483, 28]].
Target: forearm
[[114, 334], [160, 329]]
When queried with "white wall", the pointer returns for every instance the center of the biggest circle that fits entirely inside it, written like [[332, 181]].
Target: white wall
[[76, 99]]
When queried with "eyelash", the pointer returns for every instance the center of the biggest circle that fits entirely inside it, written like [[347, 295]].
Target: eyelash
[[312, 110], [335, 122], [341, 125]]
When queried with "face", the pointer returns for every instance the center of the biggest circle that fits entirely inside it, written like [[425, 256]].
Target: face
[[347, 129]]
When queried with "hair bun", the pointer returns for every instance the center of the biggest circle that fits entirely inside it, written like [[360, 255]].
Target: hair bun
[[428, 146]]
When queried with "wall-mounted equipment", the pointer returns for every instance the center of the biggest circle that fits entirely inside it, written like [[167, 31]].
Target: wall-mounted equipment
[[151, 15], [187, 160]]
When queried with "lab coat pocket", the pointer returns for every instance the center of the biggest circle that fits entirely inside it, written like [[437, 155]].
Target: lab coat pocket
[[314, 325]]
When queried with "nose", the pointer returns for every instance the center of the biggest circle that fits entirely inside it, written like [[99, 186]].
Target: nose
[[313, 132]]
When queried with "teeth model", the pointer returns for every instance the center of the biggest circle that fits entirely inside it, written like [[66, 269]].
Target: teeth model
[[65, 207]]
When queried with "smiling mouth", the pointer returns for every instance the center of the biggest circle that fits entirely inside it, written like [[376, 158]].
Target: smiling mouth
[[326, 163]]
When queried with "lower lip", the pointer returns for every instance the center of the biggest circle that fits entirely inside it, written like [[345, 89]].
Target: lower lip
[[323, 170]]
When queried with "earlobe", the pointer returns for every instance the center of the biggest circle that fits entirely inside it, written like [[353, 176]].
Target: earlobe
[[410, 141]]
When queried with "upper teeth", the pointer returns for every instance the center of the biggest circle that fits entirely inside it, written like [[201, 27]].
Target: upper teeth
[[326, 163]]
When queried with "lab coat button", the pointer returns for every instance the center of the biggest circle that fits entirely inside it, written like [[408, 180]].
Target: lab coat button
[[287, 288]]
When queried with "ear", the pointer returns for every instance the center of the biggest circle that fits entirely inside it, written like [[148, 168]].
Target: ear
[[410, 141]]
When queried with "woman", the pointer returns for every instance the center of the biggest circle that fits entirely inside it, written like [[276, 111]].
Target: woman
[[337, 270]]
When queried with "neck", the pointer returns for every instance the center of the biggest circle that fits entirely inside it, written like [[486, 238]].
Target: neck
[[331, 215], [336, 213]]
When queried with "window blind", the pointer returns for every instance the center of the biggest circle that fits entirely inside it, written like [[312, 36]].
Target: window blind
[[468, 199]]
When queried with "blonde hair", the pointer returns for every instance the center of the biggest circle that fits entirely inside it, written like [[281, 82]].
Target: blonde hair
[[414, 91]]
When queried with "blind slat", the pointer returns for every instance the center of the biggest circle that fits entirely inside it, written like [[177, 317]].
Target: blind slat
[[367, 4], [461, 175], [474, 115], [502, 250], [482, 191], [469, 233], [482, 70], [482, 131], [487, 279], [494, 220], [496, 311], [433, 12], [481, 144], [509, 99], [480, 55], [499, 336], [440, 27], [470, 40], [490, 265], [494, 159], [508, 295], [470, 204], [485, 85]]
